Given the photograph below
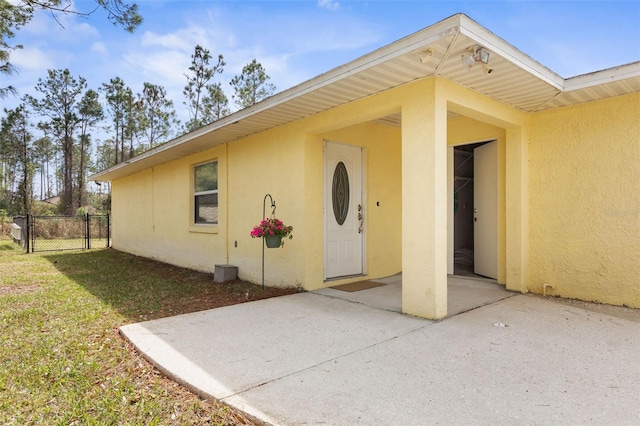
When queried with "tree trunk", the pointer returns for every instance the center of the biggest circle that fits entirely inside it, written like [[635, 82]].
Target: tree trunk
[[81, 191], [116, 144], [68, 176]]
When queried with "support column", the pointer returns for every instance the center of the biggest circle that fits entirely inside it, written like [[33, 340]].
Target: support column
[[517, 207], [424, 205]]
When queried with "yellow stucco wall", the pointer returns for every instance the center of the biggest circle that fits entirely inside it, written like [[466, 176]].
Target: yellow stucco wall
[[585, 202], [152, 215], [463, 130], [153, 209], [383, 198], [269, 163], [287, 163], [569, 216], [514, 206], [131, 231]]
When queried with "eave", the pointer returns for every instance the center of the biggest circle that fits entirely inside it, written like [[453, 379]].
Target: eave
[[516, 80]]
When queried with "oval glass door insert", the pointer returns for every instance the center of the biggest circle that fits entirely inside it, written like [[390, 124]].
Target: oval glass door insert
[[340, 193]]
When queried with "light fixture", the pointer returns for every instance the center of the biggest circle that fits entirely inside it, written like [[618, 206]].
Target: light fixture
[[425, 55], [482, 55], [477, 55], [468, 60]]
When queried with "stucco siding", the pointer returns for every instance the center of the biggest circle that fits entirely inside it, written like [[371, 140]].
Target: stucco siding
[[153, 209], [131, 228], [383, 195], [152, 215], [585, 203], [287, 163], [569, 209], [464, 130], [268, 163]]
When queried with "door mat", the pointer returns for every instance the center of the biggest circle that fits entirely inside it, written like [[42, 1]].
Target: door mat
[[357, 286]]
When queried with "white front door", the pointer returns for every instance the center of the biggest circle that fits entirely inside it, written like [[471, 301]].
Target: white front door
[[343, 211], [485, 213]]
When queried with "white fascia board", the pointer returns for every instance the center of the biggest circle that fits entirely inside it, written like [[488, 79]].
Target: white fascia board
[[103, 175], [407, 44], [609, 75], [487, 39], [398, 48]]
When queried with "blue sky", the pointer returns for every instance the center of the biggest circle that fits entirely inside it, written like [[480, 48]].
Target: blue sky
[[297, 40]]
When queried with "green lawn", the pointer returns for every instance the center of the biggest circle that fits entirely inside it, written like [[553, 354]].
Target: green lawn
[[63, 361], [59, 244]]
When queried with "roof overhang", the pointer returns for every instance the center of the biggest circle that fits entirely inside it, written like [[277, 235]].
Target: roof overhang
[[515, 79]]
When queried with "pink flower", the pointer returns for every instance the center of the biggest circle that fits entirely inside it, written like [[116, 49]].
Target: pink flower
[[271, 227]]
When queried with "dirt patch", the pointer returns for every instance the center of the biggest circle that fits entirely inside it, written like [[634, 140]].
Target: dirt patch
[[217, 295], [5, 230], [18, 289]]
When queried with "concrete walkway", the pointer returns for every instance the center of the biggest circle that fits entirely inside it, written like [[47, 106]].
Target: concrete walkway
[[312, 359]]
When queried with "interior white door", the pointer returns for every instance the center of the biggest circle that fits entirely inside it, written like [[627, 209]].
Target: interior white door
[[485, 204], [343, 210]]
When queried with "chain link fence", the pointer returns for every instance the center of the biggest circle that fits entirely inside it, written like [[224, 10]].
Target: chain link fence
[[54, 233]]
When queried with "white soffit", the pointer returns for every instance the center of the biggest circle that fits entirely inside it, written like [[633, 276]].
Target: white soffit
[[516, 79]]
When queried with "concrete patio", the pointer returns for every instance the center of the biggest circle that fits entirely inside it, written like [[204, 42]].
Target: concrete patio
[[318, 358], [464, 293]]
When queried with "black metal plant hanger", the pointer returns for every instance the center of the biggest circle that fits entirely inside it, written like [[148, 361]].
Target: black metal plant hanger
[[264, 212]]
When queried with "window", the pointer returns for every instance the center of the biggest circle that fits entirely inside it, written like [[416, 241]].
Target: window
[[340, 193], [205, 193]]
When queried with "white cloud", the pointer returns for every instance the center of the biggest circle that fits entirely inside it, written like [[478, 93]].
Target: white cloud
[[329, 4], [289, 56], [290, 46], [63, 27], [82, 29], [165, 68], [32, 59], [164, 58], [180, 40], [161, 55], [39, 25], [99, 48]]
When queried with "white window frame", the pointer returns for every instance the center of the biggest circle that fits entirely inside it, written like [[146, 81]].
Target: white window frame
[[196, 194]]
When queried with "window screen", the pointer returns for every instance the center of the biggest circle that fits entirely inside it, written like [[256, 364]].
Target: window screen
[[205, 191]]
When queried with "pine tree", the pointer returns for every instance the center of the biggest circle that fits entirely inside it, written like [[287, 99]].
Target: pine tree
[[158, 117], [90, 113], [200, 73], [19, 153], [252, 85], [16, 14], [120, 104], [60, 106], [216, 104]]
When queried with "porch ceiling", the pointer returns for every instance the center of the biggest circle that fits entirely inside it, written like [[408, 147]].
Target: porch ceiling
[[515, 79]]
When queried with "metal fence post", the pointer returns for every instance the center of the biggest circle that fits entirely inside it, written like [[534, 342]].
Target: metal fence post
[[30, 231], [27, 234], [87, 227], [108, 229]]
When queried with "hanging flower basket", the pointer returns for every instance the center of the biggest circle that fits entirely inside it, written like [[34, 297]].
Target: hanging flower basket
[[273, 241], [273, 231]]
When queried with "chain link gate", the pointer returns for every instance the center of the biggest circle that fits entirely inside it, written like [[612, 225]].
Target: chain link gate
[[54, 233]]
